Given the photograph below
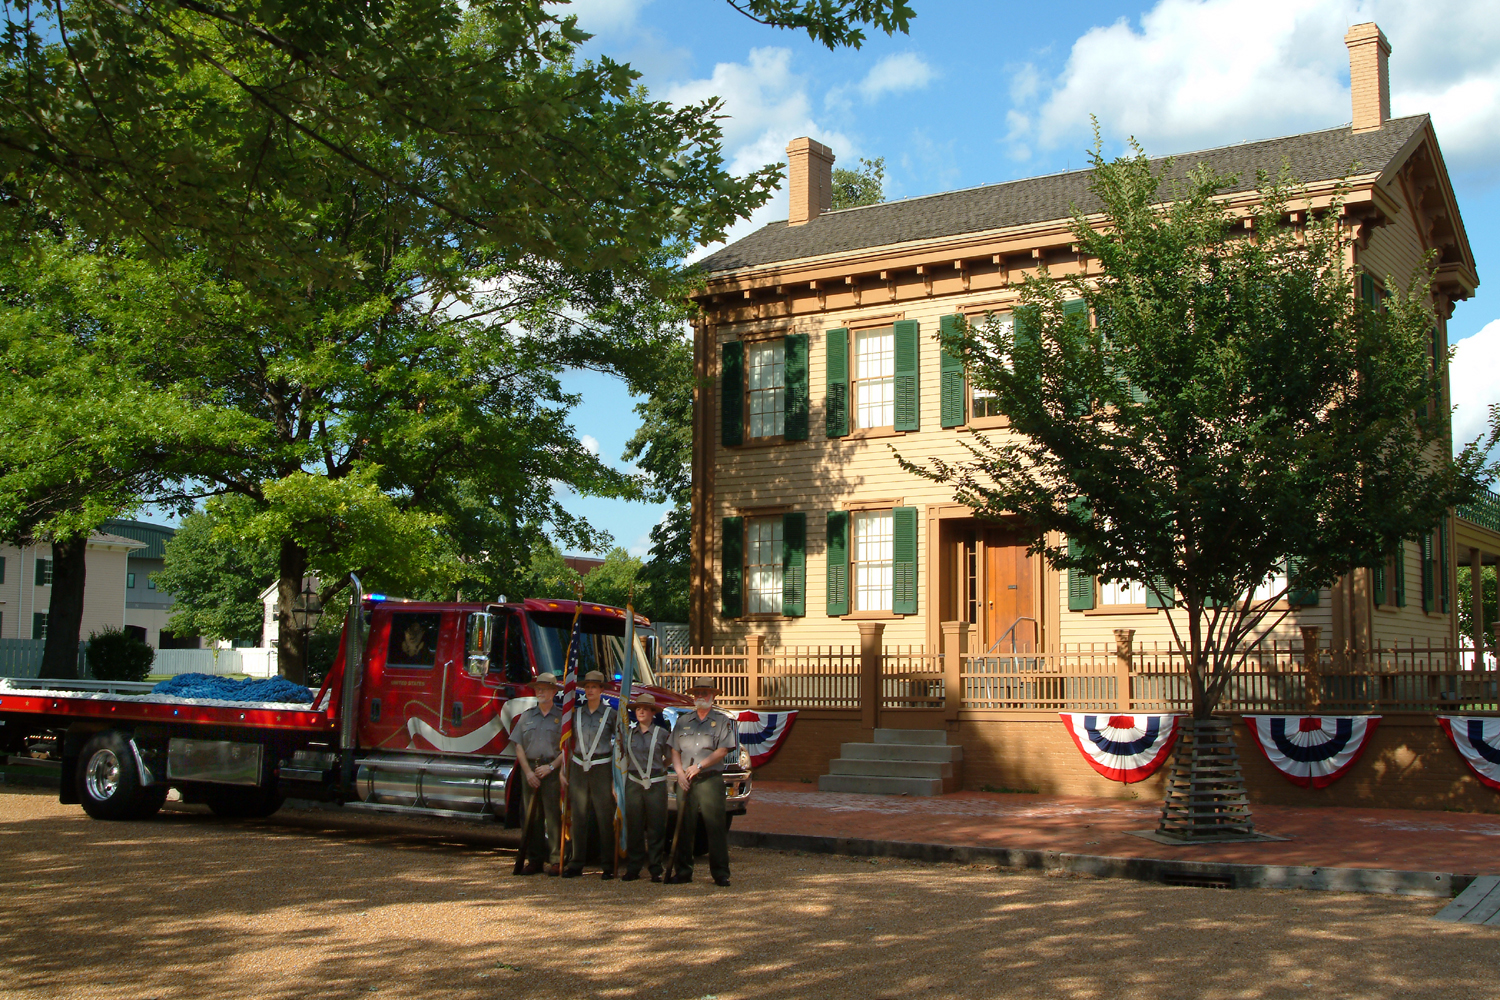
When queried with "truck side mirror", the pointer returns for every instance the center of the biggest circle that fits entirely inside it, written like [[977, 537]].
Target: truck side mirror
[[477, 643]]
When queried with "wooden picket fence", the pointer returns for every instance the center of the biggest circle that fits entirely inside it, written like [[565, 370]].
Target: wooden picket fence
[[1273, 678]]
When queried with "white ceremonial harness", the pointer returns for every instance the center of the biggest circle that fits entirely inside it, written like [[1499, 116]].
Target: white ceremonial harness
[[588, 765], [642, 775]]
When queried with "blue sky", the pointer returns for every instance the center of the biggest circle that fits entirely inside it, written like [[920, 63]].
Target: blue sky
[[985, 92]]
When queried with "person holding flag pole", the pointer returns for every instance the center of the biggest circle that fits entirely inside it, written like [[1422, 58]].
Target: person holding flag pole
[[569, 703]]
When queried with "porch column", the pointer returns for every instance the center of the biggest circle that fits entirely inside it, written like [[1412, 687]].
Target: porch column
[[1476, 604], [955, 644], [871, 648], [1124, 653]]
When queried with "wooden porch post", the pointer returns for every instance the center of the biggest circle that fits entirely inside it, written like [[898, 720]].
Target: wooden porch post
[[955, 644], [871, 648], [1124, 653], [1310, 663], [752, 670], [1476, 604]]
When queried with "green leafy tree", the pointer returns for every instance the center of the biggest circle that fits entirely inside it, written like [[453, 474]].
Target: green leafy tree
[[216, 582], [1466, 607], [1233, 407], [617, 582], [863, 186]]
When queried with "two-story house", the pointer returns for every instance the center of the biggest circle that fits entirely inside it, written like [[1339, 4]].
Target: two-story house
[[816, 352]]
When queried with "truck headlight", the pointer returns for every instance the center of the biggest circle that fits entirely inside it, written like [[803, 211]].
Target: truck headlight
[[744, 759]]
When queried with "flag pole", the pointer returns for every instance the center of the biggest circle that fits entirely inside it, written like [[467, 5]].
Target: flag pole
[[622, 729], [569, 714]]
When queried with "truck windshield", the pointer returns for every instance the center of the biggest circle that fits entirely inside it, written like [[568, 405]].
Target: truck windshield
[[603, 646]]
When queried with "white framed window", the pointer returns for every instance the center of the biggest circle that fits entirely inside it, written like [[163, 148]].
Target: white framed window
[[39, 625], [44, 572], [982, 403], [1122, 592], [875, 378], [763, 572], [766, 388], [1271, 586], [874, 551]]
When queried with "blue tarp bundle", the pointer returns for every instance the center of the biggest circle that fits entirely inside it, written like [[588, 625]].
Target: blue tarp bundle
[[272, 689]]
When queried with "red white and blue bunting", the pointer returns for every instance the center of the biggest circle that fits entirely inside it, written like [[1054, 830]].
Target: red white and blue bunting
[[1126, 748], [1478, 742], [1309, 750], [763, 733]]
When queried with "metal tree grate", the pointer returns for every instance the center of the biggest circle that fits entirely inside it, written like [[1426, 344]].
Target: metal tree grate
[[1205, 794]]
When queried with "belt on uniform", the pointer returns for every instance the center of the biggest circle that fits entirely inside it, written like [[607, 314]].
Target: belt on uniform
[[588, 765], [648, 782]]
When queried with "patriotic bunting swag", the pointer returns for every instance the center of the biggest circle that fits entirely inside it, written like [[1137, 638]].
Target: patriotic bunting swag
[[762, 733], [1478, 742], [1126, 748], [1309, 750]]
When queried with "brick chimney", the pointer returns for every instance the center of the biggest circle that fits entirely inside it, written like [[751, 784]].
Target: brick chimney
[[1369, 75], [810, 177]]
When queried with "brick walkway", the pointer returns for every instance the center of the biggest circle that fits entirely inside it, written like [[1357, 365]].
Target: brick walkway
[[1393, 839]]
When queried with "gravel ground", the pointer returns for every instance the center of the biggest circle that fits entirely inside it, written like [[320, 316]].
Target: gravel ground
[[311, 905]]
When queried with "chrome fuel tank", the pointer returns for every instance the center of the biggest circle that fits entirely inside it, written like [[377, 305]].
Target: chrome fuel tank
[[434, 783]]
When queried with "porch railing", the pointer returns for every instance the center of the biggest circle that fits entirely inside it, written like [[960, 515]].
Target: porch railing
[[1274, 678]]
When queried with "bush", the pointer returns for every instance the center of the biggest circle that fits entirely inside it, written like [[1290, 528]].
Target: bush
[[114, 655], [322, 650]]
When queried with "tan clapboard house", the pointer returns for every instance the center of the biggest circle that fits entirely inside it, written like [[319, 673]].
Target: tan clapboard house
[[818, 361]]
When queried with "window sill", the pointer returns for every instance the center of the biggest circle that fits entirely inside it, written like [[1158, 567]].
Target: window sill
[[864, 433], [986, 423], [872, 616], [766, 617], [1123, 609]]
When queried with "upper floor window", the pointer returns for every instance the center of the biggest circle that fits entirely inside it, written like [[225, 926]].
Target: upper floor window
[[875, 378], [763, 565], [129, 581], [150, 583], [766, 388], [983, 404], [874, 557], [44, 572]]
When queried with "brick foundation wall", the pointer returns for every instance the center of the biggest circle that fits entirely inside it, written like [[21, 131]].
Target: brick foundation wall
[[1409, 764]]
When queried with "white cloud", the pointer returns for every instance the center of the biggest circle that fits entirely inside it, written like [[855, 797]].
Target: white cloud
[[1473, 383], [1197, 73], [766, 105], [641, 547], [597, 16], [895, 74], [590, 443]]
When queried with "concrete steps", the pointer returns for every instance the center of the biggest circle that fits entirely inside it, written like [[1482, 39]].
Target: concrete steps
[[899, 762]]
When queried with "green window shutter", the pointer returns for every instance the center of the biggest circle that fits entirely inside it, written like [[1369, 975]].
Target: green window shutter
[[1428, 595], [1367, 290], [904, 560], [732, 567], [1076, 315], [794, 565], [732, 395], [954, 388], [836, 402], [1377, 583], [1442, 561], [1080, 585], [797, 394], [837, 553], [1398, 570], [1160, 594], [1296, 594], [908, 391]]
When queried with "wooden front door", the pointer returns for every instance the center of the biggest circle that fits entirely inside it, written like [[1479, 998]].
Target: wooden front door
[[1009, 592]]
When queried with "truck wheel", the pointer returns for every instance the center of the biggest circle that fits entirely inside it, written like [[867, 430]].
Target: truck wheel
[[243, 803], [108, 785]]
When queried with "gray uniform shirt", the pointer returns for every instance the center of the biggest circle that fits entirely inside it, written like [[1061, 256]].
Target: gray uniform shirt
[[538, 734], [655, 764], [586, 726], [696, 739]]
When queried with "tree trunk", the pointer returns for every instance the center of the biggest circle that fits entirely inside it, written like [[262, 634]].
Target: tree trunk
[[65, 609], [291, 643]]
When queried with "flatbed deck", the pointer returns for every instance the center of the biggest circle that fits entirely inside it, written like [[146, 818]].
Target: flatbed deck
[[66, 703]]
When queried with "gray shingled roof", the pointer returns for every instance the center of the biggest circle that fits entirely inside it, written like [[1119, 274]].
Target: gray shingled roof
[[1314, 156]]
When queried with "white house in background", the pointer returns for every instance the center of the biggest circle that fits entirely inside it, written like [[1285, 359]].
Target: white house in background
[[26, 586]]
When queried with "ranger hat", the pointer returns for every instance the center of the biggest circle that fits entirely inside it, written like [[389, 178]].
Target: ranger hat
[[705, 684], [593, 677], [643, 700], [545, 680]]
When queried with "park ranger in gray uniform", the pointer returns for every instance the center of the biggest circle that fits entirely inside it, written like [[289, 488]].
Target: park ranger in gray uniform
[[648, 768], [700, 742], [591, 781], [536, 735]]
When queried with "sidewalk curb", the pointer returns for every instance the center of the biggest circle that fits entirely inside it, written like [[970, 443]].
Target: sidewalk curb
[[1442, 885]]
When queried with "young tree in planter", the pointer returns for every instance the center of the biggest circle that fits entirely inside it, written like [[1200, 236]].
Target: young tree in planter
[[1233, 409]]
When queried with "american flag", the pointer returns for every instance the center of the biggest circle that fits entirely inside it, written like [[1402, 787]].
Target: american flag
[[570, 683]]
